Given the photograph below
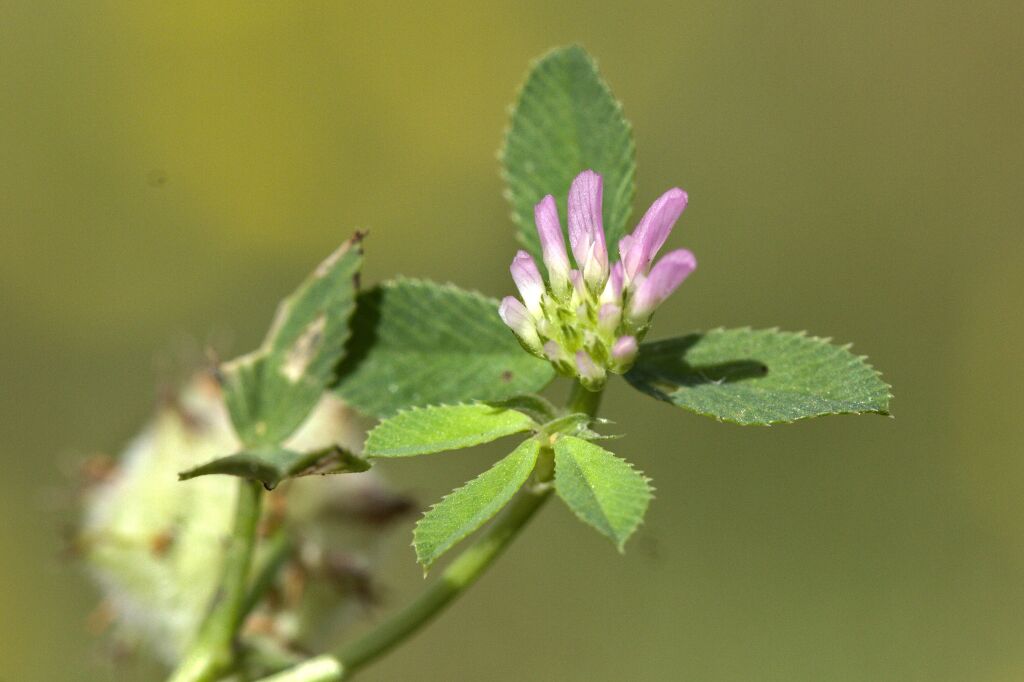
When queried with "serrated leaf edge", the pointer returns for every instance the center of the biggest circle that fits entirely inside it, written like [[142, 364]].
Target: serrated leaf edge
[[825, 340]]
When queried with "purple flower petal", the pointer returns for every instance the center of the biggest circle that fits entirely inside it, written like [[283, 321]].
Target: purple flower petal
[[590, 373], [528, 281], [552, 244], [639, 249], [667, 274], [514, 314], [613, 287], [624, 351], [586, 231], [608, 318], [557, 356]]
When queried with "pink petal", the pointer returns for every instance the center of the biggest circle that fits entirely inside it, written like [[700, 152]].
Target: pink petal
[[586, 231], [528, 280], [652, 231], [624, 350], [666, 275], [552, 243], [514, 314]]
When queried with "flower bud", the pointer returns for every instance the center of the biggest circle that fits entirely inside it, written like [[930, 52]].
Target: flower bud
[[591, 375], [667, 274], [552, 244], [586, 230], [639, 249], [608, 318], [557, 356], [514, 314], [529, 282], [624, 353]]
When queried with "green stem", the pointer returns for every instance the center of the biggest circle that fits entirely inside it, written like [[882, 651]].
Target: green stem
[[276, 551], [212, 653], [584, 401], [460, 574]]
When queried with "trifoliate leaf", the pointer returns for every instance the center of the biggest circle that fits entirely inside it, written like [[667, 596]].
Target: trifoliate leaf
[[424, 430], [418, 343], [601, 489], [763, 377], [467, 508], [566, 121], [271, 391], [272, 465]]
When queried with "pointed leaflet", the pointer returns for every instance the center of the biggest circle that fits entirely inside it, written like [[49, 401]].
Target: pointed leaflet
[[421, 431], [601, 489], [566, 121], [417, 343], [762, 377], [271, 391], [467, 508], [270, 466]]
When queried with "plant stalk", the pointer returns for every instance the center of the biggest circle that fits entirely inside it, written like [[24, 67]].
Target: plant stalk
[[465, 570], [212, 654]]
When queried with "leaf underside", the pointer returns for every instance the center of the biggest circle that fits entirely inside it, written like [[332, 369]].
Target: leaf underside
[[565, 121], [425, 430], [603, 490], [271, 391], [417, 343], [467, 508], [761, 377], [272, 465]]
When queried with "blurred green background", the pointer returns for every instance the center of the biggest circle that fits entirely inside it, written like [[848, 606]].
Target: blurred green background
[[170, 170]]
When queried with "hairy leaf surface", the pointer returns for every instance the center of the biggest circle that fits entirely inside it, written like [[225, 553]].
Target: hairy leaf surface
[[271, 391], [417, 343], [601, 489], [467, 508], [424, 430], [566, 121], [762, 377]]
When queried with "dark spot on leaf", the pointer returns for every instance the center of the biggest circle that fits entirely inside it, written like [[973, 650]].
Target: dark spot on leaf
[[506, 376]]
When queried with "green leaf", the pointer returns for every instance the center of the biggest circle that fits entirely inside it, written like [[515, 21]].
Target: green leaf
[[566, 121], [537, 407], [763, 377], [424, 430], [600, 488], [270, 466], [417, 343], [271, 391], [467, 508]]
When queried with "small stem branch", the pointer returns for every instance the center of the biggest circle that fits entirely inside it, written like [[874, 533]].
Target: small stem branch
[[319, 669], [460, 574], [212, 652]]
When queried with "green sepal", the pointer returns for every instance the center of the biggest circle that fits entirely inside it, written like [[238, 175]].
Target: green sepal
[[438, 428], [270, 466], [763, 377], [467, 508]]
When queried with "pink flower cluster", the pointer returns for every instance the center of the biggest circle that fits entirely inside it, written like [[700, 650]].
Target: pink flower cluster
[[588, 320]]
